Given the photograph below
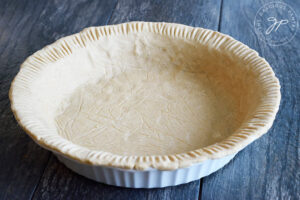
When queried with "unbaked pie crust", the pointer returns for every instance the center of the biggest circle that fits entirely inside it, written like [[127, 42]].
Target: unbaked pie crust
[[141, 94]]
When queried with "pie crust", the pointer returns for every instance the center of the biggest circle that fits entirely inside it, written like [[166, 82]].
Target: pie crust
[[145, 95]]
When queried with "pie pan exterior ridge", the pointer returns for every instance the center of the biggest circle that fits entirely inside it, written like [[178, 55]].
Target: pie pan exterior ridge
[[249, 131]]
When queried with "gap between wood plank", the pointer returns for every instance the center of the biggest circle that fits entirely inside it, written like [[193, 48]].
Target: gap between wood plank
[[220, 15], [112, 12], [200, 189], [39, 181]]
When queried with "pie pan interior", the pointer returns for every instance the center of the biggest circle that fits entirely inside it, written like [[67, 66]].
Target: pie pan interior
[[140, 95]]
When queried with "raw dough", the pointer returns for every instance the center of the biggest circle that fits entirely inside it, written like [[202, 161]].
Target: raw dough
[[153, 111]]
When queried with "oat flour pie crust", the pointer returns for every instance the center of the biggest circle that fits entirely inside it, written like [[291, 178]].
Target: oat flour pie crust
[[145, 95]]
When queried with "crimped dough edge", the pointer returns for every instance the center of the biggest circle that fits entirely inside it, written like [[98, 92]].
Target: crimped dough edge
[[249, 131]]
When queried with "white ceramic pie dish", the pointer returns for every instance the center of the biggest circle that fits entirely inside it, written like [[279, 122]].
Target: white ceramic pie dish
[[145, 104], [149, 178]]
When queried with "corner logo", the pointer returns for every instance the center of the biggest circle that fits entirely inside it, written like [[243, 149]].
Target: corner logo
[[276, 23]]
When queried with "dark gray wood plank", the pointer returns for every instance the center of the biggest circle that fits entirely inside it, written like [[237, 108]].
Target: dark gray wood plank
[[26, 26], [58, 182], [269, 168], [199, 13]]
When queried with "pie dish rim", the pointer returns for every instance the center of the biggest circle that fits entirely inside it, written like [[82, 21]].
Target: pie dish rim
[[231, 145]]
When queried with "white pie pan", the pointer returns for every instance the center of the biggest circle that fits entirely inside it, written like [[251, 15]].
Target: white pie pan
[[33, 103], [150, 178]]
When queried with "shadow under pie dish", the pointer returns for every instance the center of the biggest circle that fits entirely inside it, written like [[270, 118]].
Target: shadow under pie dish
[[145, 104]]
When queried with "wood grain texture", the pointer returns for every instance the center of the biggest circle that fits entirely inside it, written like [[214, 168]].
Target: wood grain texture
[[269, 168], [24, 28], [58, 182], [202, 13]]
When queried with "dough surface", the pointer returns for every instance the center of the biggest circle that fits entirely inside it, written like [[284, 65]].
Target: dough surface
[[148, 111]]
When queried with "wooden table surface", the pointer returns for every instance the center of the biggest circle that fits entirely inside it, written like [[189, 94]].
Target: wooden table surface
[[269, 168]]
